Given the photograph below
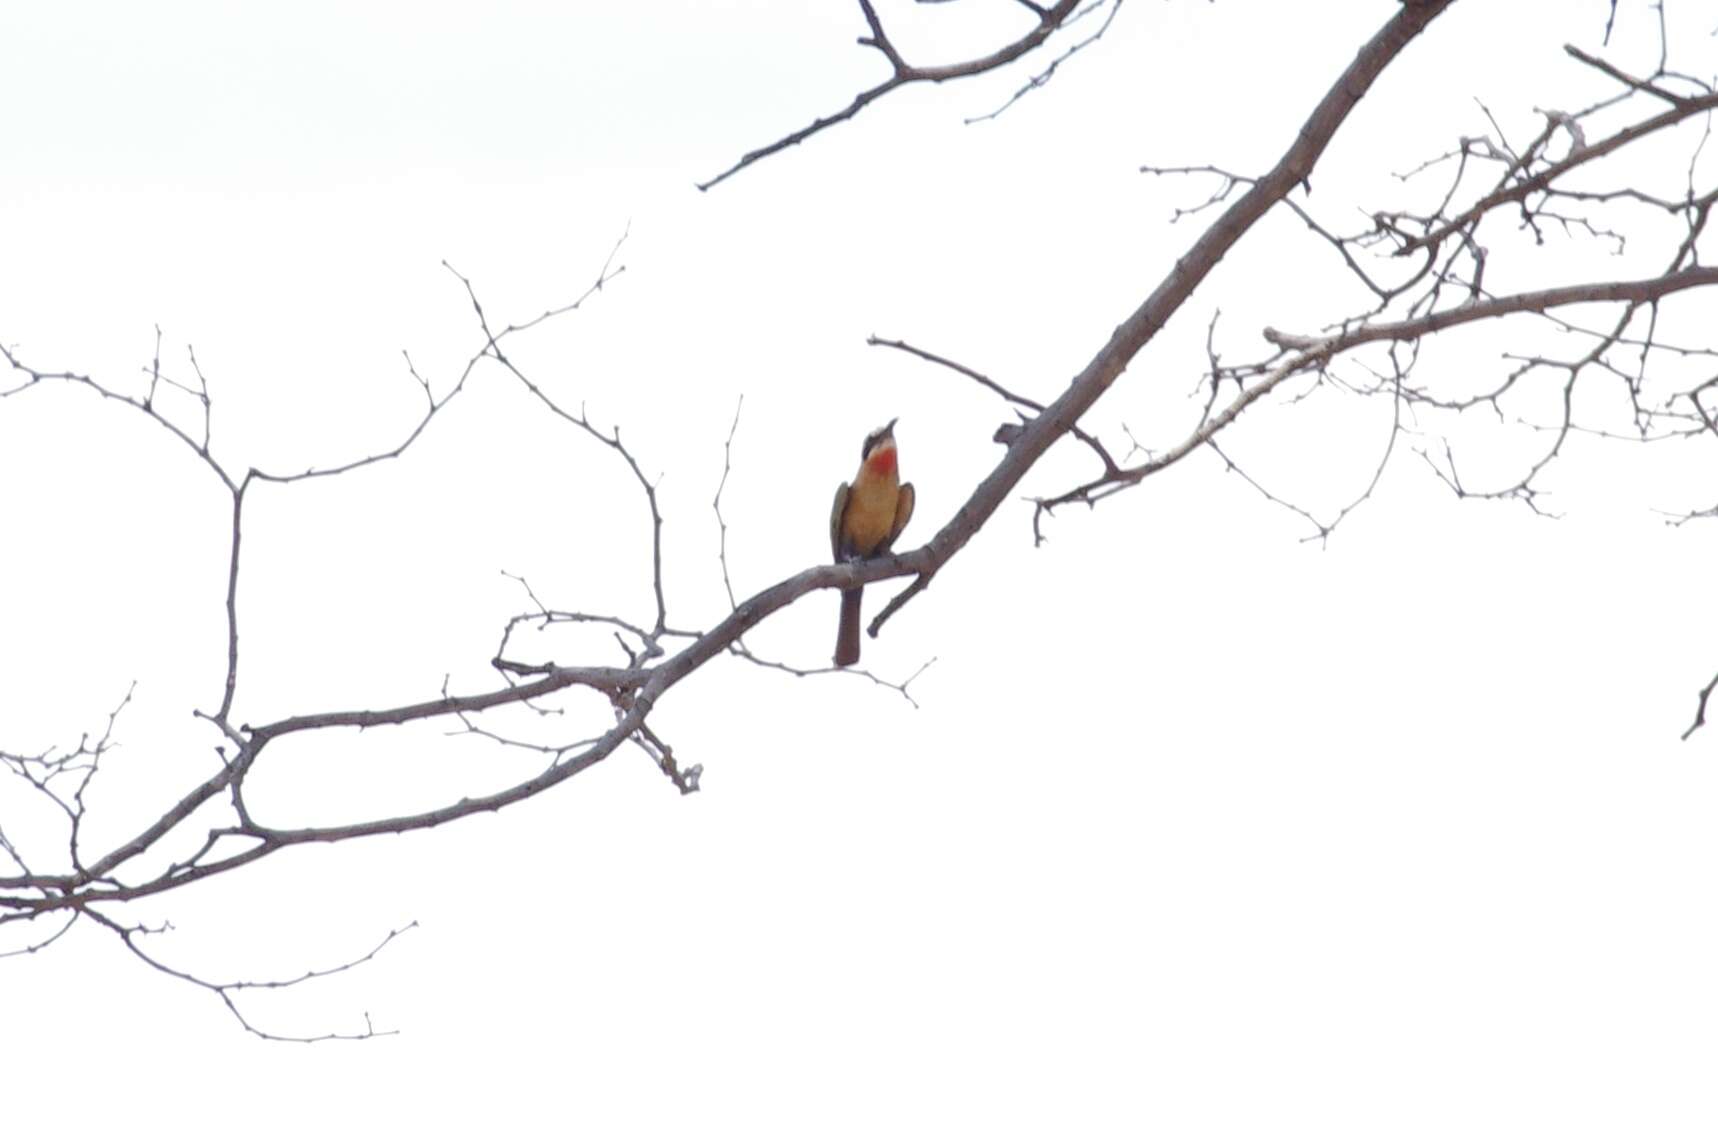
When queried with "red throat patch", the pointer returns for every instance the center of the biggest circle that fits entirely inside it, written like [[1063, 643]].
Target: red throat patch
[[882, 460]]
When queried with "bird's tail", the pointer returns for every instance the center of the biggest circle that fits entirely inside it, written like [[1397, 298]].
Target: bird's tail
[[847, 640]]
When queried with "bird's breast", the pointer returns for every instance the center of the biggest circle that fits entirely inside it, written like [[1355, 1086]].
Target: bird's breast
[[870, 512]]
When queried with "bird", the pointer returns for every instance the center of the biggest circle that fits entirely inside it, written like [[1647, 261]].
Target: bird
[[869, 514]]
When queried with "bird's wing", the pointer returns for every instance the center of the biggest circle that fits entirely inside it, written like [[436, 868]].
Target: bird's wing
[[835, 513], [903, 514]]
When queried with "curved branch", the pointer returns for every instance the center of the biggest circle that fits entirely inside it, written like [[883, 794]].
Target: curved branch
[[904, 73]]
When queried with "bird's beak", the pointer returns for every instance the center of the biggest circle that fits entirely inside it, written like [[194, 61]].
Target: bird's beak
[[890, 429]]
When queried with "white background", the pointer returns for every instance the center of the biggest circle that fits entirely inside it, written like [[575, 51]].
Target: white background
[[1198, 828]]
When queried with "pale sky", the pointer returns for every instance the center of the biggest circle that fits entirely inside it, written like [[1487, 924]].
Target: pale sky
[[1197, 828]]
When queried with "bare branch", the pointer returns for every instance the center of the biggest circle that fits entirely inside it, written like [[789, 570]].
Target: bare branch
[[226, 991], [37, 946], [721, 522], [903, 74], [1700, 708], [1516, 190], [990, 384], [1633, 292], [1042, 77]]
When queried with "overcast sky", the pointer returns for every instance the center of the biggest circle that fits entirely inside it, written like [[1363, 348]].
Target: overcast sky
[[1196, 828]]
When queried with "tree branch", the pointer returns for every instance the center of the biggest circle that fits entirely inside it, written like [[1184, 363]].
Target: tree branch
[[904, 74]]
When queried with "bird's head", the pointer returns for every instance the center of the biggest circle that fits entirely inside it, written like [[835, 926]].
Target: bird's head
[[883, 436]]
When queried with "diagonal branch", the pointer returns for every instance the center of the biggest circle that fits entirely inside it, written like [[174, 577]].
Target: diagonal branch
[[1516, 191], [1138, 329]]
